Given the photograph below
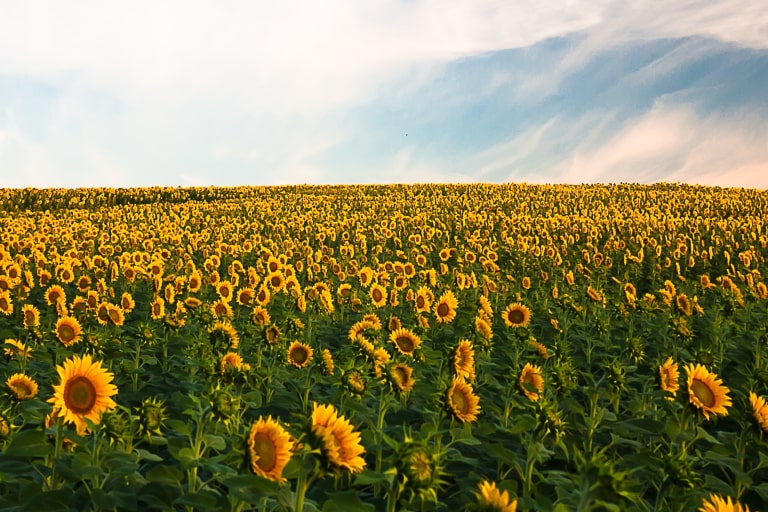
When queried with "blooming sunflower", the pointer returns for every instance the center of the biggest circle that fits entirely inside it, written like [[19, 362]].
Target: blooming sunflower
[[157, 308], [300, 354], [246, 296], [669, 376], [84, 392], [272, 334], [422, 302], [16, 348], [405, 340], [115, 314], [30, 315], [232, 360], [683, 304], [445, 309], [22, 387], [55, 294], [68, 330], [127, 302], [378, 295], [6, 304], [759, 410], [461, 401], [328, 365], [716, 503], [260, 316], [269, 449], [338, 442], [516, 315], [483, 328], [531, 382], [464, 360], [706, 391], [490, 497]]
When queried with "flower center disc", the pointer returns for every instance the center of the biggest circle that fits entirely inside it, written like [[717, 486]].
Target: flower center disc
[[703, 393], [299, 355], [459, 401], [516, 316], [443, 309], [66, 333], [405, 344], [265, 449], [80, 395]]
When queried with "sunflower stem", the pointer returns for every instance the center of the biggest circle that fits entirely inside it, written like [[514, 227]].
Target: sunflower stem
[[380, 427], [301, 490]]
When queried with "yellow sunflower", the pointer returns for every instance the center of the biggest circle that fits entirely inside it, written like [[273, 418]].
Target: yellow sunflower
[[461, 401], [464, 360], [22, 387], [272, 334], [246, 296], [759, 410], [222, 309], [225, 290], [6, 304], [405, 340], [516, 315], [16, 348], [115, 314], [157, 308], [669, 376], [716, 503], [232, 360], [338, 442], [490, 497], [401, 377], [84, 392], [300, 354], [269, 449], [445, 308], [683, 304], [30, 315], [328, 365], [55, 294], [422, 302], [127, 302], [483, 328], [706, 391], [260, 316], [531, 382], [68, 330], [378, 295]]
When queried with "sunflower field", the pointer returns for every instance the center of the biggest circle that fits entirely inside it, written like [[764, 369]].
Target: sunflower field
[[394, 348]]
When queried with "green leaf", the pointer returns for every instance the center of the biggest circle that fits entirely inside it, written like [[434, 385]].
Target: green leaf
[[345, 501], [179, 426], [250, 488], [368, 477], [147, 456], [48, 501], [215, 442], [203, 500], [29, 443]]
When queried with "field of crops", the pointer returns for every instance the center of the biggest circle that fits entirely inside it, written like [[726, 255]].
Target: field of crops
[[428, 347]]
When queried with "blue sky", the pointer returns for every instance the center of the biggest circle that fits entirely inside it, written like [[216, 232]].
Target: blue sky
[[96, 93]]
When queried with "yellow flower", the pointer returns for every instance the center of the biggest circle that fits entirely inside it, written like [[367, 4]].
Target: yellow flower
[[716, 503], [338, 442], [401, 377], [17, 348], [445, 309], [464, 360], [669, 376], [759, 410], [299, 354], [492, 498], [328, 365], [462, 402], [378, 295], [531, 382], [234, 361], [405, 340], [706, 391], [22, 387], [269, 449], [516, 315], [31, 316], [68, 330], [6, 304], [84, 392]]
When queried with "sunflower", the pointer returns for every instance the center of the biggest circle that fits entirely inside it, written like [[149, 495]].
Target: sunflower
[[540, 348], [272, 334], [260, 316], [127, 302], [263, 295], [405, 340], [22, 387], [246, 296], [401, 377], [55, 294], [84, 392], [6, 304], [222, 309], [759, 410], [225, 290], [17, 349], [683, 304], [461, 401], [422, 301], [669, 376], [68, 330], [30, 315], [445, 309], [483, 328], [716, 503], [338, 442], [516, 315], [531, 382], [464, 360], [232, 360], [276, 281], [157, 308], [706, 391], [115, 314], [269, 449], [378, 295], [102, 313], [226, 333], [328, 365], [300, 354], [490, 497]]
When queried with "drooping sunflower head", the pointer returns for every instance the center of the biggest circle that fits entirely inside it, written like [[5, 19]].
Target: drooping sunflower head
[[531, 381], [400, 377], [405, 340], [759, 410], [223, 336], [328, 366], [337, 440], [491, 498], [21, 386], [669, 376], [461, 401], [464, 360], [232, 362], [683, 304], [418, 469], [84, 392], [354, 382], [516, 315], [269, 449], [483, 327], [300, 354], [15, 348], [706, 391]]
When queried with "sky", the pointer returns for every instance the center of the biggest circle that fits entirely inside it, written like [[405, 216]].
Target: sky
[[199, 93]]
